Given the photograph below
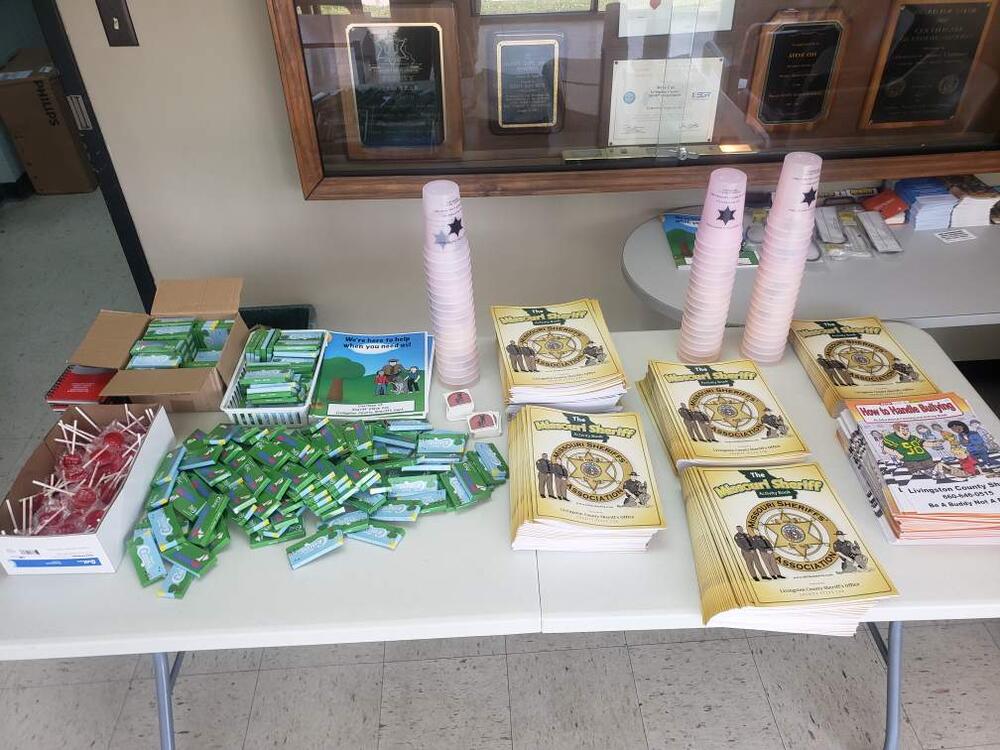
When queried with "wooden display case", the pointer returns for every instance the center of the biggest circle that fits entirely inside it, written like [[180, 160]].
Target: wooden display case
[[384, 96]]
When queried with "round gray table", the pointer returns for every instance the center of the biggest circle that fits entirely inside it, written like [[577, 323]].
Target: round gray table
[[931, 284]]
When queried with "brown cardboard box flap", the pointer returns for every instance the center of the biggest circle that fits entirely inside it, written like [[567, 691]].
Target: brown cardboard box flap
[[35, 62], [109, 339], [166, 382], [204, 298], [233, 350]]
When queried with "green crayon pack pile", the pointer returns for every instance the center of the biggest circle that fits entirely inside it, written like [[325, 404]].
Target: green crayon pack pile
[[179, 342], [356, 480], [279, 367]]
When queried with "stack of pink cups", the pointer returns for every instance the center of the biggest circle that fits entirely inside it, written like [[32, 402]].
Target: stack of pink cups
[[713, 271], [787, 237], [448, 268]]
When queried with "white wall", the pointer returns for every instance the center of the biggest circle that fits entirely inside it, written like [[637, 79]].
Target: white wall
[[196, 125]]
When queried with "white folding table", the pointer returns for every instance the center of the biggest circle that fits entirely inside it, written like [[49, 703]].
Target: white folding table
[[455, 574], [658, 589]]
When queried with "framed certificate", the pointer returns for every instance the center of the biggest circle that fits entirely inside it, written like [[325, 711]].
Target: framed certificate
[[795, 73], [927, 53], [526, 91], [664, 101], [400, 86]]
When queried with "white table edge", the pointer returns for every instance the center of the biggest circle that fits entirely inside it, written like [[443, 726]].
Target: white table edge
[[676, 312]]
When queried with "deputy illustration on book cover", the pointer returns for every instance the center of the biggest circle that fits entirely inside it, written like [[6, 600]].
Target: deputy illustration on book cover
[[697, 423], [856, 358], [554, 343], [798, 534], [391, 379], [785, 523], [719, 412], [850, 361], [593, 473], [592, 469], [778, 537], [364, 375]]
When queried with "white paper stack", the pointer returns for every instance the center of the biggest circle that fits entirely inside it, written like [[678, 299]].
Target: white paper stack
[[975, 201], [448, 269], [558, 355], [928, 200], [775, 549], [580, 482], [929, 212]]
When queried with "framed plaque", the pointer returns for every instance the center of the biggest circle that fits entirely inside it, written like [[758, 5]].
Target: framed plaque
[[525, 89], [927, 53], [400, 86], [795, 73]]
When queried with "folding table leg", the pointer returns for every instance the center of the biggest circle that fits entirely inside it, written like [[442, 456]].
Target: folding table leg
[[893, 665], [164, 700]]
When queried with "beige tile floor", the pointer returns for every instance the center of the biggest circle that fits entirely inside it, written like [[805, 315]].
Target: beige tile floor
[[703, 689]]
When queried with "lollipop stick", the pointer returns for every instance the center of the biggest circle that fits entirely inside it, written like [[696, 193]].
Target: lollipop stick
[[80, 431], [49, 520], [94, 457], [87, 417], [13, 520], [51, 488]]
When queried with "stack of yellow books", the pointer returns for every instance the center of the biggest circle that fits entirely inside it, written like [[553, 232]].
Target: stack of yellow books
[[558, 355], [856, 358], [580, 482], [774, 549], [720, 414]]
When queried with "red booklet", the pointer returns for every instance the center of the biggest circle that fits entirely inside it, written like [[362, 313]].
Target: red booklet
[[886, 203], [78, 385]]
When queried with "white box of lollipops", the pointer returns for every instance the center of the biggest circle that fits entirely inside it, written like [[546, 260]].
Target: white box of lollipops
[[102, 549]]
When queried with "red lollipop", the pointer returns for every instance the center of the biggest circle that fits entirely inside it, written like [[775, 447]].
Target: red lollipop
[[83, 498], [114, 439], [71, 468], [46, 519], [92, 519], [70, 460], [68, 525], [106, 493], [111, 462]]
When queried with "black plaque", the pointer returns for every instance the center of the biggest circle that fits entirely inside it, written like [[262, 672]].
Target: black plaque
[[927, 62], [800, 69], [527, 84], [396, 73]]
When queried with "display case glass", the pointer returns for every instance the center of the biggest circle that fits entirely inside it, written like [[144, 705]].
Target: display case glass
[[523, 96]]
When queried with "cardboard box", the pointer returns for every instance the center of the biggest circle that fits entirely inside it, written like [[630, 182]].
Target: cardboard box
[[100, 551], [112, 334], [37, 114]]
